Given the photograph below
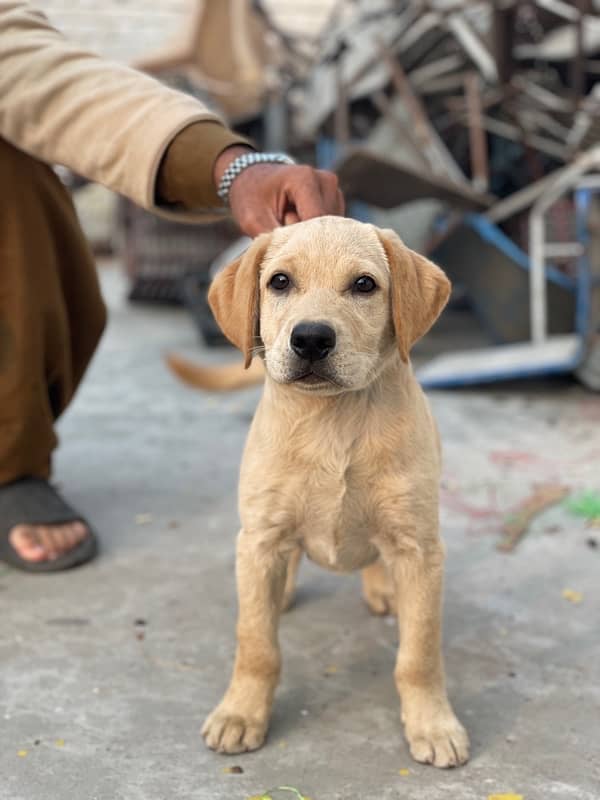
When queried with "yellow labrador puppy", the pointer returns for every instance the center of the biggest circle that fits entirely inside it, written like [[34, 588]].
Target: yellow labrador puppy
[[342, 460]]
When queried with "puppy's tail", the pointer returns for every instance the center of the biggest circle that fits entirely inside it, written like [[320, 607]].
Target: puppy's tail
[[221, 378]]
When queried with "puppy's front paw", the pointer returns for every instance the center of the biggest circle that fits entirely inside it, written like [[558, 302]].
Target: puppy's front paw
[[228, 732], [441, 741]]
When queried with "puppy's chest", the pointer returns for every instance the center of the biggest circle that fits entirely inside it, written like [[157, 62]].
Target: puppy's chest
[[337, 519]]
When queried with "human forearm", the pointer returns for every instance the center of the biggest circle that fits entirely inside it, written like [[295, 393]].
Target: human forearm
[[67, 106]]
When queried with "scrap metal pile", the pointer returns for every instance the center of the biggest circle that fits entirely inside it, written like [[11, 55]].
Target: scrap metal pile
[[479, 99], [449, 120]]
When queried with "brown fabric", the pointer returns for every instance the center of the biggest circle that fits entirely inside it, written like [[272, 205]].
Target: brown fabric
[[186, 173], [67, 106], [51, 311]]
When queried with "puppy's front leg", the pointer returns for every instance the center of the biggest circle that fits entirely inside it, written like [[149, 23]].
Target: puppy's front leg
[[433, 732], [240, 721]]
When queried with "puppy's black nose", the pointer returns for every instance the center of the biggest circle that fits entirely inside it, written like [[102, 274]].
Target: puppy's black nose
[[312, 341]]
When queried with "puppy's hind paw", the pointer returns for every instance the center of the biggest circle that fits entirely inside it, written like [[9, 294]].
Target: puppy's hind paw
[[378, 590], [381, 604]]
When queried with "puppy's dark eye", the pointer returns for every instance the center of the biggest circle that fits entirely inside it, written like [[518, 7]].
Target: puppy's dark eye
[[365, 285], [279, 282]]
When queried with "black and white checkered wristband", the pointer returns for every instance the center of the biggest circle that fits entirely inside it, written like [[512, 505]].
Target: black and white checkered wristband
[[239, 164]]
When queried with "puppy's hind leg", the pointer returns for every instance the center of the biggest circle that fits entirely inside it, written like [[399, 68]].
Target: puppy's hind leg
[[289, 591], [239, 723], [378, 589]]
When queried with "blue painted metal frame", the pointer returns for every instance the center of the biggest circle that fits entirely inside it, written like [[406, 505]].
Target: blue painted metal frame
[[492, 233], [581, 285]]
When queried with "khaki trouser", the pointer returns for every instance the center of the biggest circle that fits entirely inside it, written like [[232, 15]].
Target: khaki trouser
[[51, 311]]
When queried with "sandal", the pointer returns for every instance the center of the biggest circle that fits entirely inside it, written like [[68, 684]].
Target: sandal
[[33, 501]]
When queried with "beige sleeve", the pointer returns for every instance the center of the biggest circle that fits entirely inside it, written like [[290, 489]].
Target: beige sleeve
[[66, 106]]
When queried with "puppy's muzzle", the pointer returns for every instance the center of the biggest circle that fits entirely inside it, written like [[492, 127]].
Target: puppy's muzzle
[[312, 341]]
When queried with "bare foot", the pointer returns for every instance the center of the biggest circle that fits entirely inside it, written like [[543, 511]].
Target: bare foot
[[46, 542]]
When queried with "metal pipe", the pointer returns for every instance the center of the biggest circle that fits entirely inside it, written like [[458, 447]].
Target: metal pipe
[[537, 278]]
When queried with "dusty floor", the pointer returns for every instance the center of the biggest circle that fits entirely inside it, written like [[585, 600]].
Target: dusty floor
[[95, 707]]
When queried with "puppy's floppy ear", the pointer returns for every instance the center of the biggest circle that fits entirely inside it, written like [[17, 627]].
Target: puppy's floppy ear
[[233, 297], [419, 290]]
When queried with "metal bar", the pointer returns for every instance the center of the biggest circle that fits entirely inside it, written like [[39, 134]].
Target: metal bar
[[503, 35], [589, 182], [477, 137], [489, 99], [526, 197], [542, 96], [577, 71], [509, 131], [422, 75], [383, 105], [341, 117], [445, 83], [537, 278], [533, 119], [514, 134], [593, 253], [568, 179], [583, 307], [560, 8], [473, 46], [439, 156], [560, 250]]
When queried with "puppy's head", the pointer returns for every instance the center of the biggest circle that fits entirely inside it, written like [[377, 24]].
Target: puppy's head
[[327, 302]]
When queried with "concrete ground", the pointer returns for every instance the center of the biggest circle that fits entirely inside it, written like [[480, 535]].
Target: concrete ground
[[96, 707]]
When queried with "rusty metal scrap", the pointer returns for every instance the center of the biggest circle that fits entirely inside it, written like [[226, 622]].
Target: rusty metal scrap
[[489, 97]]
